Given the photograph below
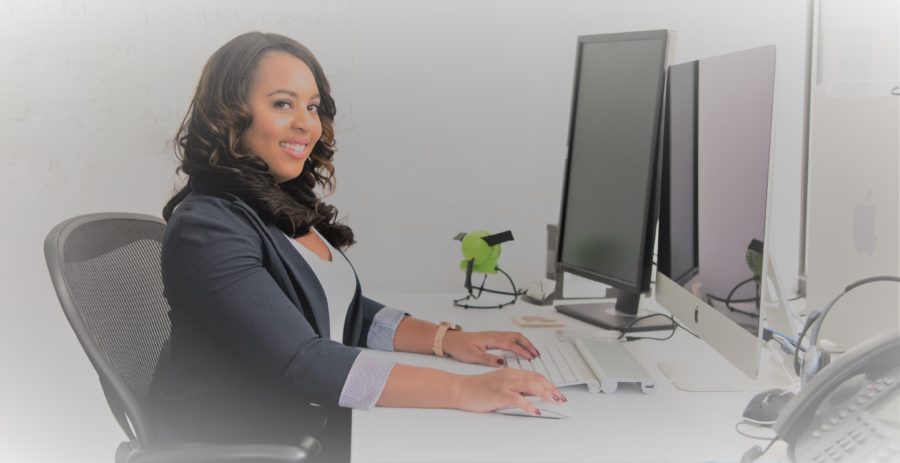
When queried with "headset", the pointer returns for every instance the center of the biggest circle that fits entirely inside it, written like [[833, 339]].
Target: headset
[[815, 359]]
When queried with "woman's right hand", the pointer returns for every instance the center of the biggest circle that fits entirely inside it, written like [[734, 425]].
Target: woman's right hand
[[505, 388]]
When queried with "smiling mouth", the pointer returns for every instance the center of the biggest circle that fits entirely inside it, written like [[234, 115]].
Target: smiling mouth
[[293, 148]]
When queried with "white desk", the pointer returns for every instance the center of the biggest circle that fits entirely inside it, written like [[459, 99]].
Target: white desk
[[670, 425]]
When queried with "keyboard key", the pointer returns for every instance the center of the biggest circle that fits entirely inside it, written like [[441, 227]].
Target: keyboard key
[[579, 368], [538, 364], [565, 374]]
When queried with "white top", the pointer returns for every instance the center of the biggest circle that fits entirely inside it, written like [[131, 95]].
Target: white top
[[368, 375], [338, 281]]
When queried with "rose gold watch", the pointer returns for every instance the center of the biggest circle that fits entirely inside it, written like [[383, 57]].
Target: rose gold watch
[[443, 327]]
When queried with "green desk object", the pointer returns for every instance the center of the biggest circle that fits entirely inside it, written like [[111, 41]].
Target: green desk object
[[477, 248], [481, 251]]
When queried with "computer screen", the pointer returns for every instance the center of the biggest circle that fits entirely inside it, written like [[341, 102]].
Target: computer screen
[[714, 199], [609, 205], [678, 208]]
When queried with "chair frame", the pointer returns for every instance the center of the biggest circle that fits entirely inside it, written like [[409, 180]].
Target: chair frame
[[123, 403]]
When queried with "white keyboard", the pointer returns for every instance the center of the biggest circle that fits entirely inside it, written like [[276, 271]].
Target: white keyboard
[[559, 362], [600, 364]]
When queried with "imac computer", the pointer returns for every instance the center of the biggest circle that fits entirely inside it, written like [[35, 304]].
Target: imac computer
[[713, 203], [609, 203], [853, 170]]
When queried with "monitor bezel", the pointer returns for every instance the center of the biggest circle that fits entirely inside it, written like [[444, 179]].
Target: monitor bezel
[[642, 277]]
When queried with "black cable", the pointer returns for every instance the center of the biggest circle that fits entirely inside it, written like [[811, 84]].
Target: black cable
[[650, 338], [758, 294], [771, 443], [504, 293], [515, 292], [637, 338], [685, 328], [728, 300], [721, 299], [481, 289], [457, 303], [756, 299]]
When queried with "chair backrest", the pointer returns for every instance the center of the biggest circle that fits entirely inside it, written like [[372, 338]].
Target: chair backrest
[[106, 271]]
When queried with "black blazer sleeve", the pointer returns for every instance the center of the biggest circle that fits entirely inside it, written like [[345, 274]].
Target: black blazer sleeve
[[369, 309]]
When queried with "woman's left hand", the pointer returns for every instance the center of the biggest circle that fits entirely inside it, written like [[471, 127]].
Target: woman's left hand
[[471, 347]]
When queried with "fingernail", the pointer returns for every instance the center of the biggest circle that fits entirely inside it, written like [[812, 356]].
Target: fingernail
[[537, 412], [557, 398], [500, 362], [564, 398]]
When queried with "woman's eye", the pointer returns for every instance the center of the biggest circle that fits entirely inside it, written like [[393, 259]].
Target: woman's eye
[[313, 108], [283, 104]]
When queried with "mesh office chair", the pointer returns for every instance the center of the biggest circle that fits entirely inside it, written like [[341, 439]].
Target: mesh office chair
[[106, 271]]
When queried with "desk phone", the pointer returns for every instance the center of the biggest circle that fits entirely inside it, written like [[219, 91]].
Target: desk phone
[[850, 411]]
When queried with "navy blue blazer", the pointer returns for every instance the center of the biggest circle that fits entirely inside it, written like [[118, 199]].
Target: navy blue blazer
[[250, 338]]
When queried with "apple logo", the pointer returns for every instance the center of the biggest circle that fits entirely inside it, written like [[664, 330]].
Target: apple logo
[[864, 226]]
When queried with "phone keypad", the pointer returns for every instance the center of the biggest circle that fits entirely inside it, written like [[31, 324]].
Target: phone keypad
[[849, 433]]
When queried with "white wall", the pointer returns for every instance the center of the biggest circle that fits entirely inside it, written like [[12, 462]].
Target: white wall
[[453, 116]]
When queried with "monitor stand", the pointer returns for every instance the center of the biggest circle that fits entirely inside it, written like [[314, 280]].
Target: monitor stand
[[713, 374], [616, 315], [697, 377], [779, 315]]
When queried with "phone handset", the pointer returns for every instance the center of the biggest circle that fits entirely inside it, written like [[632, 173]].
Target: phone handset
[[837, 414]]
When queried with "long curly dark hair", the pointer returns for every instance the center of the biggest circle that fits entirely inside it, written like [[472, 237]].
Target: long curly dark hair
[[208, 143]]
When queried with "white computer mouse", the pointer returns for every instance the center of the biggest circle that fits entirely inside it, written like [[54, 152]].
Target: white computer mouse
[[545, 413]]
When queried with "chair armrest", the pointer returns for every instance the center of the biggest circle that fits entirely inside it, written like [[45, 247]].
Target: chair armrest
[[226, 453]]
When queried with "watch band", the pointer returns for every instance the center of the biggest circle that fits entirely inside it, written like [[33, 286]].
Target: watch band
[[443, 327]]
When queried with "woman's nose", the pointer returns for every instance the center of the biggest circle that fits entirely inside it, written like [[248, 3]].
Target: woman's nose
[[302, 120]]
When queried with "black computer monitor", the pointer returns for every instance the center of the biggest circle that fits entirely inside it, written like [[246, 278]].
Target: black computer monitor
[[678, 205], [609, 205]]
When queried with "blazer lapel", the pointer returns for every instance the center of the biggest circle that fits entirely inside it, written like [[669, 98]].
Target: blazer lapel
[[353, 322], [301, 273]]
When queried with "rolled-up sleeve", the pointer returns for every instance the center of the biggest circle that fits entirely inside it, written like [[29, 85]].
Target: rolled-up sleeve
[[384, 327], [365, 382]]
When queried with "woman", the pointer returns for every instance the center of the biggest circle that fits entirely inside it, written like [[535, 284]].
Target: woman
[[266, 311]]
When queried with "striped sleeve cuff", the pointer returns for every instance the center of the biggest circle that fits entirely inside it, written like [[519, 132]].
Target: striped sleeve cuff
[[365, 382], [384, 325]]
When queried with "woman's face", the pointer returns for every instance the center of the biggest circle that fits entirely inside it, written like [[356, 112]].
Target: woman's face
[[284, 103]]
